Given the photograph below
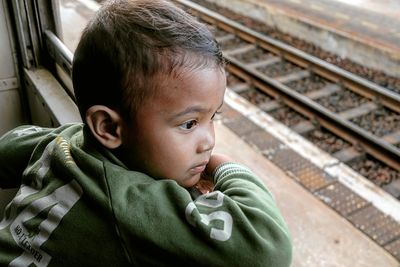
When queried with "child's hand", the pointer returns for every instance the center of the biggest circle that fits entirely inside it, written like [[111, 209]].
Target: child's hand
[[206, 184]]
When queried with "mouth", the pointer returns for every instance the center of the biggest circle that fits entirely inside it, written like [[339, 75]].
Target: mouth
[[199, 168]]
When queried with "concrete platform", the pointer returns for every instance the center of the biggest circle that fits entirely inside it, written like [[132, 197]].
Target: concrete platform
[[364, 31], [321, 237]]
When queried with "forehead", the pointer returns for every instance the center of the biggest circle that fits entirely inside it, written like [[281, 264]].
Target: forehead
[[202, 87], [192, 81]]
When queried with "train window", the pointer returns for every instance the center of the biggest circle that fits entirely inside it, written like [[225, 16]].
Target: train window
[[73, 17], [43, 61]]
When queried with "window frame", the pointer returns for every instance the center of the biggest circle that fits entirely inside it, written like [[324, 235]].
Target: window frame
[[45, 63]]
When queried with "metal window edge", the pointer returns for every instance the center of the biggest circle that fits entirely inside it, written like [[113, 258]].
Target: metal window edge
[[60, 106]]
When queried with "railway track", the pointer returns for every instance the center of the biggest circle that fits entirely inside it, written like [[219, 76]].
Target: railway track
[[353, 119], [360, 118]]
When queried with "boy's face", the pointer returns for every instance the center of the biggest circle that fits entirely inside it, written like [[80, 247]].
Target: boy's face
[[173, 136]]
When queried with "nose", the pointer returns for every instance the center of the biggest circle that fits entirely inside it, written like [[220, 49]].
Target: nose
[[207, 139]]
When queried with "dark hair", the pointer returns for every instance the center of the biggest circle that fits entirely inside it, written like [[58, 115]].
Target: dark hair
[[127, 43]]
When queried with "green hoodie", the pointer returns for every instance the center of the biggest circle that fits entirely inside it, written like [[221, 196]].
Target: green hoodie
[[78, 205]]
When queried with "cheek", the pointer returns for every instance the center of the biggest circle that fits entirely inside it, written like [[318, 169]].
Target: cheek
[[173, 146], [175, 152], [164, 147], [170, 159]]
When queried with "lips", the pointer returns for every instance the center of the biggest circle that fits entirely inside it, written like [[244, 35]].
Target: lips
[[199, 168]]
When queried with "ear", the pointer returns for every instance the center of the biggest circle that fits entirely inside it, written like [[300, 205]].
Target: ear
[[105, 125]]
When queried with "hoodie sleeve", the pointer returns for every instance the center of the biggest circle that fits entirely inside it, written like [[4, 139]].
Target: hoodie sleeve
[[238, 224], [16, 148]]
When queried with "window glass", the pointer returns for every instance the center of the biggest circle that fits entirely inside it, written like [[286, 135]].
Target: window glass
[[74, 15]]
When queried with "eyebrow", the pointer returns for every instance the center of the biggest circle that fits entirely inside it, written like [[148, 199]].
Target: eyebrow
[[194, 109]]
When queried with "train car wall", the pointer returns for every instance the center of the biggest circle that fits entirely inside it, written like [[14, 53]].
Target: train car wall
[[10, 102]]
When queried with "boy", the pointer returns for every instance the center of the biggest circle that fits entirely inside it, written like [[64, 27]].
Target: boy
[[120, 189]]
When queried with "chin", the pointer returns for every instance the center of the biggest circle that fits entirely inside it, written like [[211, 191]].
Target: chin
[[190, 182]]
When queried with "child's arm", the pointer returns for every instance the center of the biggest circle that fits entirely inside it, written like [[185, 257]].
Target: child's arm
[[237, 224], [16, 148], [253, 203], [206, 183]]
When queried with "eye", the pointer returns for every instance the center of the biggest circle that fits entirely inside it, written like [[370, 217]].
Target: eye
[[188, 125]]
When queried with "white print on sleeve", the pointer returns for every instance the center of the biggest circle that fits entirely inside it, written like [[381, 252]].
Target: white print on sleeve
[[26, 191], [212, 200], [26, 131], [58, 203]]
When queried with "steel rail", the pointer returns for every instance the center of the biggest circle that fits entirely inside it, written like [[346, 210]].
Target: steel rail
[[370, 143], [59, 52], [329, 71]]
